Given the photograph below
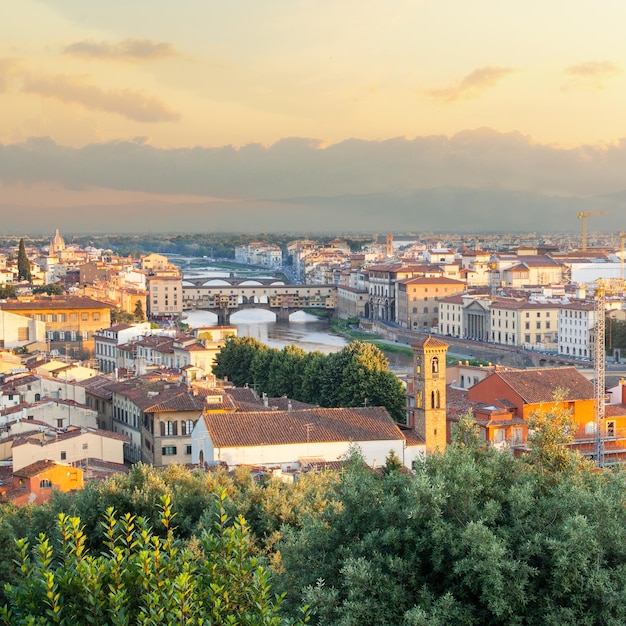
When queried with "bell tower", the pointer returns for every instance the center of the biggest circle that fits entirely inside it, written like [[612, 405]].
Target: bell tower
[[429, 384]]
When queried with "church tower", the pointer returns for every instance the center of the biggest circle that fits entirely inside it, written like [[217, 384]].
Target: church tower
[[57, 244], [429, 385]]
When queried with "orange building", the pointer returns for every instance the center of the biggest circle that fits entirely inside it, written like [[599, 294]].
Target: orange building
[[34, 483], [522, 392]]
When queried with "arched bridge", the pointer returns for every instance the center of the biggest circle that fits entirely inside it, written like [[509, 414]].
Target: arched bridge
[[231, 280], [281, 299]]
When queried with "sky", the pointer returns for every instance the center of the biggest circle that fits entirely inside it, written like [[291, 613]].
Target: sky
[[312, 115]]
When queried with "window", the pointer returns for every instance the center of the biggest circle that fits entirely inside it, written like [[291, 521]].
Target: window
[[538, 325], [96, 317], [73, 317], [610, 429], [168, 450], [527, 325], [84, 317], [187, 427], [499, 435], [425, 309], [188, 449], [527, 338], [45, 483], [63, 456]]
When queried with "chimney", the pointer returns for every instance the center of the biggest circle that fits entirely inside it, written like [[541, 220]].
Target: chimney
[[266, 402], [289, 405]]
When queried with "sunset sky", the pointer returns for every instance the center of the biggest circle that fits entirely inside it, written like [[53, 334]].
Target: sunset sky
[[247, 110]]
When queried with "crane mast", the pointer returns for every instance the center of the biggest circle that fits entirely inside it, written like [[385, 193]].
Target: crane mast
[[600, 371], [582, 216]]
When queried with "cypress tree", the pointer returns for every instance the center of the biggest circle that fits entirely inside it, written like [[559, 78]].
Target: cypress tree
[[23, 264]]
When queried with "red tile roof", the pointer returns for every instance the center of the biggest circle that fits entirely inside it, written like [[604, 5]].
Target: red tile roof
[[429, 342], [535, 386], [68, 302], [314, 425]]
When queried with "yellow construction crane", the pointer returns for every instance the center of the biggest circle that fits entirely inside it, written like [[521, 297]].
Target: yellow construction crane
[[582, 216]]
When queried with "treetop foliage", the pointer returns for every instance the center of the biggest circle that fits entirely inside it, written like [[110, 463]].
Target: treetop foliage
[[472, 536], [357, 375]]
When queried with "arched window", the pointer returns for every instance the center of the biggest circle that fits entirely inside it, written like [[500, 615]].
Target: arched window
[[418, 365], [432, 400], [435, 365], [437, 400], [37, 397], [45, 483], [418, 400]]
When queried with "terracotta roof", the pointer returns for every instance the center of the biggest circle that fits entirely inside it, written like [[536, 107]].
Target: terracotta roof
[[69, 302], [615, 410], [99, 386], [314, 425], [34, 469], [429, 342], [538, 385], [431, 280], [244, 395], [457, 402]]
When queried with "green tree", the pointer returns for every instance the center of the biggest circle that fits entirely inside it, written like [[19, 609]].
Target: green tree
[[550, 432], [365, 379], [7, 291], [53, 289], [120, 317], [142, 578], [286, 371], [23, 264], [261, 366], [234, 360], [139, 315]]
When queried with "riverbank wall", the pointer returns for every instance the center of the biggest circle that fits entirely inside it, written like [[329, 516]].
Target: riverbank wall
[[509, 356]]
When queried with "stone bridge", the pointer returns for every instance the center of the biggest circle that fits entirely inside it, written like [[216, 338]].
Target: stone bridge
[[232, 280], [282, 300]]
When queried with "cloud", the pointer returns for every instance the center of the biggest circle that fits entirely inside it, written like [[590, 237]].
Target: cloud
[[125, 50], [134, 105], [8, 67], [302, 167], [591, 74], [474, 84], [475, 180]]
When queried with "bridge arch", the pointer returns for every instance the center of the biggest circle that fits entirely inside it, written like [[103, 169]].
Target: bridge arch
[[259, 315]]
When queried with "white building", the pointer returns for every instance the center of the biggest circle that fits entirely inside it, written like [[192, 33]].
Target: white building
[[17, 331], [577, 322], [284, 438], [107, 341]]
